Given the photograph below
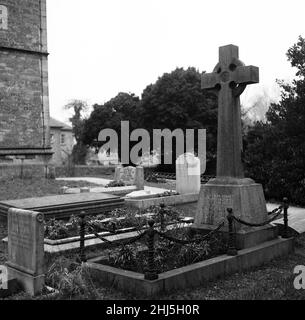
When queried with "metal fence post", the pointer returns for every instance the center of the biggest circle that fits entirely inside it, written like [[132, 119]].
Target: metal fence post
[[82, 232], [286, 206], [151, 274], [232, 251]]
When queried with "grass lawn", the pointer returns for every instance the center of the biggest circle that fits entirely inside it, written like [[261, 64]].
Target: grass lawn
[[273, 280], [11, 189]]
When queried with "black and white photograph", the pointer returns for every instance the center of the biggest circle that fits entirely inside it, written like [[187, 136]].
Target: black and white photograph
[[152, 153]]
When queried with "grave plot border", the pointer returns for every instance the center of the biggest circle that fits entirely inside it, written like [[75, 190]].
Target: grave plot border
[[192, 275]]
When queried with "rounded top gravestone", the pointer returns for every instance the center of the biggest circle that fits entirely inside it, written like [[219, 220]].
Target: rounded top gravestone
[[188, 174], [26, 249], [25, 240]]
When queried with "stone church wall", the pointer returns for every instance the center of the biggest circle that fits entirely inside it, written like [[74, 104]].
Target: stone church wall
[[24, 103]]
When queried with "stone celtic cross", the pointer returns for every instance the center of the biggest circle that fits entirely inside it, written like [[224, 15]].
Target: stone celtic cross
[[230, 78]]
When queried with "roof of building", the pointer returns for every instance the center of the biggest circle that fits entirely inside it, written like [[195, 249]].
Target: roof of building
[[58, 124]]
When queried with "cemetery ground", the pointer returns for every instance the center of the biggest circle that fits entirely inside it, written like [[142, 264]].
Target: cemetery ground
[[273, 280]]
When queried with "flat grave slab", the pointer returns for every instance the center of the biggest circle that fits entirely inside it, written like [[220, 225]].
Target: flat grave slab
[[63, 206], [118, 191], [100, 181], [148, 191], [153, 200], [128, 191]]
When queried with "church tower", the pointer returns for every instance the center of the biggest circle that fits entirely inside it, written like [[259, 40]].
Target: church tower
[[24, 98]]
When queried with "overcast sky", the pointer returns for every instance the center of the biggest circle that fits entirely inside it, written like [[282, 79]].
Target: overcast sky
[[99, 48]]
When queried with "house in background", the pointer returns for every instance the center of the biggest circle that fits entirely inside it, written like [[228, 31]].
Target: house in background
[[62, 141]]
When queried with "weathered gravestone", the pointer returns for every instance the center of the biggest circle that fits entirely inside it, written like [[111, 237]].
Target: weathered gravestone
[[230, 189], [188, 178], [130, 176], [26, 249]]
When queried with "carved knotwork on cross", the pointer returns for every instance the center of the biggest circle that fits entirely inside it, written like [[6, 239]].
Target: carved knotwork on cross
[[229, 78]]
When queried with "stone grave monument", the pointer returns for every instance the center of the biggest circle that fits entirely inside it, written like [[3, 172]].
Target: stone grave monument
[[130, 176], [188, 178], [64, 205], [230, 189], [26, 249]]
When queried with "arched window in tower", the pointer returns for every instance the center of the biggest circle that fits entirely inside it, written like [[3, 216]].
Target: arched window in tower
[[3, 18]]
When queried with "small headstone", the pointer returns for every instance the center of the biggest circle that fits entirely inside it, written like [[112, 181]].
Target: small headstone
[[84, 190], [117, 173], [188, 178], [130, 176], [139, 179], [26, 249]]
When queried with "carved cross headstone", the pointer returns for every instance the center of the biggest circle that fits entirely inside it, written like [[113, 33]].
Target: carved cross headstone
[[230, 78]]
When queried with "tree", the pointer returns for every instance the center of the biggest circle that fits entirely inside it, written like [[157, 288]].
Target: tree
[[280, 143], [258, 108], [175, 101], [124, 107], [79, 108]]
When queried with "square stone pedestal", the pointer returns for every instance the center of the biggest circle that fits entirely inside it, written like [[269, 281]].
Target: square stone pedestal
[[247, 200], [33, 285], [244, 196]]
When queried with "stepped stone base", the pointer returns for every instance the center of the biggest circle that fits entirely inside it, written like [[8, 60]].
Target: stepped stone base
[[244, 238], [244, 196]]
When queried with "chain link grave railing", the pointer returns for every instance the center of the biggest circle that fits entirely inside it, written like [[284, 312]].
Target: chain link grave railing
[[96, 229], [151, 232], [154, 176], [233, 219], [159, 230]]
